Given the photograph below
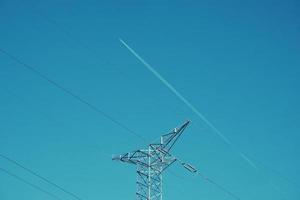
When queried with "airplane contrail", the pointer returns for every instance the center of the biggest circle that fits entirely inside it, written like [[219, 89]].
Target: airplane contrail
[[185, 101]]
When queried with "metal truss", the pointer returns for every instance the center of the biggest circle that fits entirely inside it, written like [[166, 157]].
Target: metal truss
[[152, 162]]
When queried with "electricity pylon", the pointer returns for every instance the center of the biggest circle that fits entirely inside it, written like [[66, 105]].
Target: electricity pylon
[[152, 162]]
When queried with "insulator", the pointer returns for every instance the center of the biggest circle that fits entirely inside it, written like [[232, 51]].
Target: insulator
[[189, 167]]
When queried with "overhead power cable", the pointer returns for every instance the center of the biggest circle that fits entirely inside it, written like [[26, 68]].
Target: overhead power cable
[[39, 176], [72, 94], [193, 170], [67, 33], [87, 47], [91, 106], [30, 184], [220, 187]]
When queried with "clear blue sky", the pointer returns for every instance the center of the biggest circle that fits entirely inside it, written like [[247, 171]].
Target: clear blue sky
[[238, 63]]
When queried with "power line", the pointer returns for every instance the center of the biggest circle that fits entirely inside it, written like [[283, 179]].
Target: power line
[[39, 176], [87, 47], [72, 37], [46, 116], [64, 30], [30, 184], [91, 106], [218, 186], [197, 173], [48, 181], [80, 99], [72, 94]]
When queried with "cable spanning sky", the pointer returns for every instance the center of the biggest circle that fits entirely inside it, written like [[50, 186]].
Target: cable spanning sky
[[97, 110], [237, 62]]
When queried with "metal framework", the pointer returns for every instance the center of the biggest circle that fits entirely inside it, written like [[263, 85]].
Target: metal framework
[[152, 162]]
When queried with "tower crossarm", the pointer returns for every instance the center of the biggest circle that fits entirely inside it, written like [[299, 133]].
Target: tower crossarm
[[152, 161], [168, 140], [133, 157]]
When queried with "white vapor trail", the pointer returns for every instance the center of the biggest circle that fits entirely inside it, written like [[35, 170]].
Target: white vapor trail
[[185, 101]]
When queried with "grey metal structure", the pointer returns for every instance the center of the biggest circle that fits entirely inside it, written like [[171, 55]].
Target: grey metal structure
[[152, 162]]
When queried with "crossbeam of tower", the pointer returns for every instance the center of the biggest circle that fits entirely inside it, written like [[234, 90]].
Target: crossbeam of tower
[[152, 161]]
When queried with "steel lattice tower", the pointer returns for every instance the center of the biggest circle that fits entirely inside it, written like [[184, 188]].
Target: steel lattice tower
[[151, 163]]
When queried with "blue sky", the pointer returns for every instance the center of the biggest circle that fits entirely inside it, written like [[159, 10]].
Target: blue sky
[[238, 63]]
